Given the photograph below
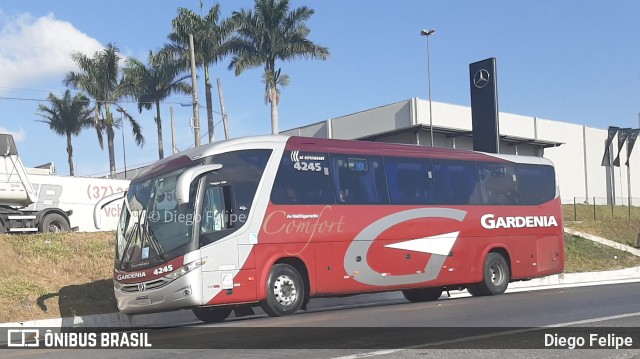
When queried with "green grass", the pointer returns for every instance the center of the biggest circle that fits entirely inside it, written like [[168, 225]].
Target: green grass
[[18, 289], [616, 227], [53, 275], [583, 255], [52, 248]]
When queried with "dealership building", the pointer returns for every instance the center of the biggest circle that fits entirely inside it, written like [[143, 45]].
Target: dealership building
[[575, 150]]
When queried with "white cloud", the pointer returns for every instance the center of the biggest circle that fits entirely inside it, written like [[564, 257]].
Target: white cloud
[[32, 49], [17, 136]]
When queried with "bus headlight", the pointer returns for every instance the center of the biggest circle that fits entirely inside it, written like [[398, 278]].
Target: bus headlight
[[185, 269]]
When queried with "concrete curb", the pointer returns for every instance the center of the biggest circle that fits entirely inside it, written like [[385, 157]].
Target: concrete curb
[[606, 242], [182, 317]]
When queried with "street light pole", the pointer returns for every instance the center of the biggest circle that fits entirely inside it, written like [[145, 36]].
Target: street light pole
[[428, 33], [124, 152]]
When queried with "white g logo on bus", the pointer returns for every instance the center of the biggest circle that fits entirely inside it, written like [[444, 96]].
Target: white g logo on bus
[[363, 241]]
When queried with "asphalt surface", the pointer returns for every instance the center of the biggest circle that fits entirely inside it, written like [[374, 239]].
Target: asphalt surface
[[476, 327]]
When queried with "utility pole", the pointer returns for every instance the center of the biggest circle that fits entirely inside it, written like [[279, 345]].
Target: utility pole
[[428, 33], [194, 85], [223, 111], [173, 133]]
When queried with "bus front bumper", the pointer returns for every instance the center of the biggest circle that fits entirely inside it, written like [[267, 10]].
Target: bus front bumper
[[180, 293]]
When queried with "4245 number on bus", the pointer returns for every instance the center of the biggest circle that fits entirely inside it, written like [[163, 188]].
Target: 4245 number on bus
[[307, 166]]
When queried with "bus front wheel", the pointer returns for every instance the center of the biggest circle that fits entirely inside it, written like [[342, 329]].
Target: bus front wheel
[[211, 314], [285, 291], [422, 294], [495, 279]]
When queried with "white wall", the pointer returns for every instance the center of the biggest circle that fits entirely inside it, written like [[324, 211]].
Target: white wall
[[594, 141], [369, 122], [444, 115], [318, 130]]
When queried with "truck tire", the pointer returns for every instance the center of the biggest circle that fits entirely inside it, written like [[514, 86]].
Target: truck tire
[[211, 314], [285, 291], [53, 222], [422, 294]]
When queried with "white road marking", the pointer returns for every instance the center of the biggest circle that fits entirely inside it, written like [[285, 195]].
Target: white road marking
[[370, 354]]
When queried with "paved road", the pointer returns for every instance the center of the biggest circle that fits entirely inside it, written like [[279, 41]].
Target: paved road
[[399, 328]]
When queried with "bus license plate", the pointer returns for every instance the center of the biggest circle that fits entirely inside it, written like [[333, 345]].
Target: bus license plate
[[143, 300]]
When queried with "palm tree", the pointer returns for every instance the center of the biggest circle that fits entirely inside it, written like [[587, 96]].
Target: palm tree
[[268, 33], [67, 116], [99, 78], [152, 84], [209, 36]]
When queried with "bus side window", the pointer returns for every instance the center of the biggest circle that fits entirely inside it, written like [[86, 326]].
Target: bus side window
[[410, 180], [499, 184], [457, 182], [359, 179], [303, 178], [216, 210]]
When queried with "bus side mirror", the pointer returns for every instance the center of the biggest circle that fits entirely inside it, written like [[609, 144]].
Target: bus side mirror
[[185, 179]]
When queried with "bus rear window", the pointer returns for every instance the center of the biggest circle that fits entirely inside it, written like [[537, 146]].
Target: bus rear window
[[537, 184]]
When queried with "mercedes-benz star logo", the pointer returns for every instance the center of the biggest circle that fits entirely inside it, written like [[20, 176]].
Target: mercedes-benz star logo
[[481, 78]]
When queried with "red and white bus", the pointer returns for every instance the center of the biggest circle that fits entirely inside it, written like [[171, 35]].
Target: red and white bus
[[276, 220]]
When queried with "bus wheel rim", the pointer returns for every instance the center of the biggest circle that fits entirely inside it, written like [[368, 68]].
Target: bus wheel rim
[[284, 290], [497, 274]]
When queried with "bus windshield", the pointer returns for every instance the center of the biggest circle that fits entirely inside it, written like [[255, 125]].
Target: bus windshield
[[154, 229], [152, 224]]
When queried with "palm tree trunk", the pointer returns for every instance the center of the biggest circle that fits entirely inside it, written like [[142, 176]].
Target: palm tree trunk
[[207, 86], [159, 124], [273, 99], [70, 155], [112, 155]]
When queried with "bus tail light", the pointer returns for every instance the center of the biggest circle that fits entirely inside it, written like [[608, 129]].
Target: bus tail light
[[185, 269]]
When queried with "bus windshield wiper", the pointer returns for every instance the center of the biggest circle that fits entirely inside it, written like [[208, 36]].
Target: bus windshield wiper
[[150, 237]]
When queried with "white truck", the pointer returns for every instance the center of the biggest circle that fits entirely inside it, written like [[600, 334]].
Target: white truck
[[35, 200]]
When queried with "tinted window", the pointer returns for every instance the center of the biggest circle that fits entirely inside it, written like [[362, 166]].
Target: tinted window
[[499, 184], [303, 178], [537, 184], [243, 170], [229, 192], [359, 179], [457, 182], [410, 181]]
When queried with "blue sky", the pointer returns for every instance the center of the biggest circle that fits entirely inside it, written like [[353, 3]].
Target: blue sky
[[569, 61]]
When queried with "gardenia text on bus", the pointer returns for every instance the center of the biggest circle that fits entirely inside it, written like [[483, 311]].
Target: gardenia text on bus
[[489, 221]]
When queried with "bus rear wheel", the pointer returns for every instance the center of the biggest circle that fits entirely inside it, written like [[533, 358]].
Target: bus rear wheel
[[285, 291], [495, 279], [211, 314], [422, 294]]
